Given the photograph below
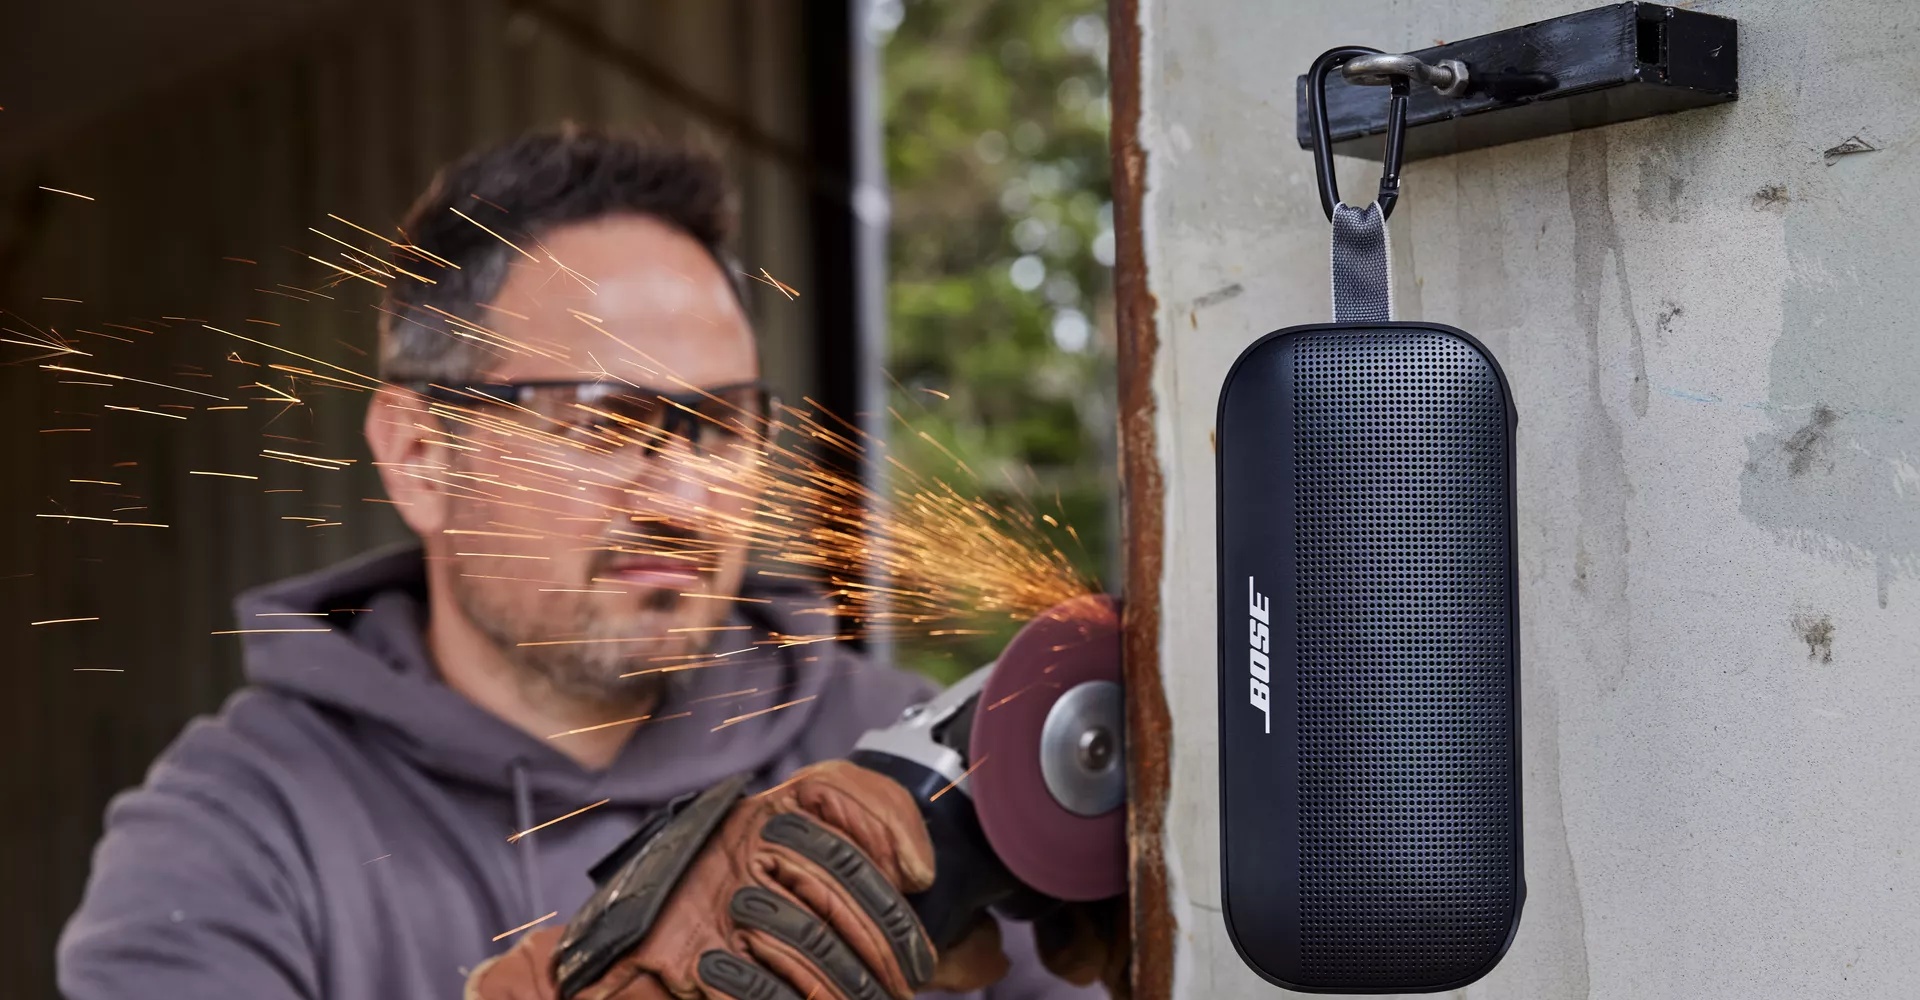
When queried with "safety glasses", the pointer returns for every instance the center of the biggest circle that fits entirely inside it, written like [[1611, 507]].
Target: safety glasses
[[617, 416]]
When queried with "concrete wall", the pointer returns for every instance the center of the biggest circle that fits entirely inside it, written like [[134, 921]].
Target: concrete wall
[[1713, 334]]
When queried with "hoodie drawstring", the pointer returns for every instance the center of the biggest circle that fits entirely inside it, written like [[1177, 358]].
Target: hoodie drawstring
[[523, 820]]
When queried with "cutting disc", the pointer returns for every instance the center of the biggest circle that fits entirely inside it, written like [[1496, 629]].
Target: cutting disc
[[1049, 779]]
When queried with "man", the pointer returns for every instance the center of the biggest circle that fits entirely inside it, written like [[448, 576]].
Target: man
[[438, 743]]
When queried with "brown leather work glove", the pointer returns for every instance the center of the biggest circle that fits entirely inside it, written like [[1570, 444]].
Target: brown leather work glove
[[791, 894], [1085, 943]]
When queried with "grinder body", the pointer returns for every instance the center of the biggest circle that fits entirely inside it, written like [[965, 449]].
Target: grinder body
[[1020, 773], [926, 752]]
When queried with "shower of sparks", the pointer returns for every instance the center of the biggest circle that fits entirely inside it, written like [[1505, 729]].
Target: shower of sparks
[[537, 921], [926, 551], [514, 839]]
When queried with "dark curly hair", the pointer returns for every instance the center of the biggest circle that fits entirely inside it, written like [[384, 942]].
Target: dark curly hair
[[523, 189]]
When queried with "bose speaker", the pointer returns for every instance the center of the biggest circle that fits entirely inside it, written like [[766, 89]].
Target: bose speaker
[[1369, 659]]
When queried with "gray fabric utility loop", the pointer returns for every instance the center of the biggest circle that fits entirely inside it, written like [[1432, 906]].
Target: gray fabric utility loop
[[1362, 280]]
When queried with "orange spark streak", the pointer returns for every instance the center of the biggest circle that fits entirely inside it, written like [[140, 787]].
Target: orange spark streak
[[783, 784], [259, 631], [714, 628], [125, 378], [58, 348], [342, 270], [724, 597], [603, 725], [62, 621], [224, 475], [963, 776], [522, 927], [363, 229], [505, 312], [584, 642], [776, 708], [102, 482], [495, 235], [375, 382], [516, 837], [310, 458], [70, 194]]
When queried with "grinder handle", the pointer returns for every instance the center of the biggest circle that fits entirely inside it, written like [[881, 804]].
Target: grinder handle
[[968, 878]]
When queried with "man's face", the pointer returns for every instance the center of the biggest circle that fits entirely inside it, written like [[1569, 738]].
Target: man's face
[[613, 549]]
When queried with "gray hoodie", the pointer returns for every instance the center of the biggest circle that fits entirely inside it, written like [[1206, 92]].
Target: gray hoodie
[[340, 829]]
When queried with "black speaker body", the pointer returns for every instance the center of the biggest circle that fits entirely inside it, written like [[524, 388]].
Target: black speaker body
[[1369, 659]]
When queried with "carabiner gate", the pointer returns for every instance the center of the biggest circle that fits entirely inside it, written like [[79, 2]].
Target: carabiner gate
[[1323, 131]]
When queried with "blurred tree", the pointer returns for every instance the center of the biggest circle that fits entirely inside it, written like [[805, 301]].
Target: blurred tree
[[1000, 317]]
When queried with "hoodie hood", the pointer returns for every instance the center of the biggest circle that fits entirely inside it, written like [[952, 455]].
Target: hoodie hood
[[354, 645]]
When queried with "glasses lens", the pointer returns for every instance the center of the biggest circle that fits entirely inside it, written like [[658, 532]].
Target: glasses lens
[[617, 415]]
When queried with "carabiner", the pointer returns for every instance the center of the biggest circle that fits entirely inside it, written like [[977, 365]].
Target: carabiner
[[1323, 131]]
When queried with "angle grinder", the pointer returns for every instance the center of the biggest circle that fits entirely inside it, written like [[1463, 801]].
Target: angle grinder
[[1020, 772]]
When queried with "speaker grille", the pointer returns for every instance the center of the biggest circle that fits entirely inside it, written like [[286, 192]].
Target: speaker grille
[[1403, 662]]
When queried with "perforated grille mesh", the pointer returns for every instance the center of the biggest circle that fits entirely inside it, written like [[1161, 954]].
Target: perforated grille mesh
[[1405, 780]]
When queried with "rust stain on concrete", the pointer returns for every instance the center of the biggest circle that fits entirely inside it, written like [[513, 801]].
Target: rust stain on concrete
[[1149, 727]]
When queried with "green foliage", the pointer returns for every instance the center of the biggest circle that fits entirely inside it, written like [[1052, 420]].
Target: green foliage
[[996, 128]]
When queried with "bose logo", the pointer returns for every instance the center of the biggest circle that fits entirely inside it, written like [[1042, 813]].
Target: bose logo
[[1257, 653]]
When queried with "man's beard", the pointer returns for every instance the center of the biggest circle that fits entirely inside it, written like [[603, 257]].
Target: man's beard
[[589, 672]]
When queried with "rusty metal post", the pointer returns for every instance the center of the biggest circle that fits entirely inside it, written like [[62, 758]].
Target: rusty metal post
[[1149, 730]]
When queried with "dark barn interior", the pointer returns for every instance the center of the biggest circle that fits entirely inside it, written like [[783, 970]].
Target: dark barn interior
[[189, 147]]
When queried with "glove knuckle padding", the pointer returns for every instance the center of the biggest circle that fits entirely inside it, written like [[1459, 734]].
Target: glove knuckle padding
[[884, 908], [733, 976], [879, 816], [758, 909]]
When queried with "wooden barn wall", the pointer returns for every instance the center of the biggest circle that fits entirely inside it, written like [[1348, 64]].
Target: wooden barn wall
[[349, 117]]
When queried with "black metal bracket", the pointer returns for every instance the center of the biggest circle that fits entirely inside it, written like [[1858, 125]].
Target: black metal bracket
[[1597, 67]]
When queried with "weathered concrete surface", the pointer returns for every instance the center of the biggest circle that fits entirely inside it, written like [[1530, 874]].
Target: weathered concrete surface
[[1713, 333]]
